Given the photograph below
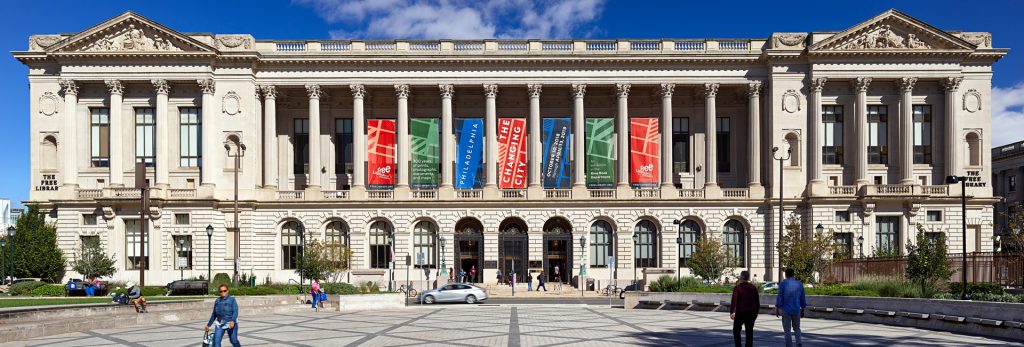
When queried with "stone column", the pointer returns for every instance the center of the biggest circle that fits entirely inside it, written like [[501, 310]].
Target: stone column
[[116, 130], [710, 134], [579, 120], [447, 141], [951, 84], [270, 167], [402, 137], [754, 129], [315, 92], [815, 161], [491, 123], [860, 84], [358, 139], [163, 133], [622, 91], [70, 174], [210, 165], [536, 149], [667, 171], [906, 86]]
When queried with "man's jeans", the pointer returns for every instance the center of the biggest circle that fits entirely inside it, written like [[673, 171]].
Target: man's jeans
[[529, 286], [791, 320], [218, 334]]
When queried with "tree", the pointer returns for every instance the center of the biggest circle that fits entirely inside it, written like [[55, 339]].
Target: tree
[[927, 265], [806, 253], [91, 261], [1012, 240], [35, 248], [709, 260], [326, 261]]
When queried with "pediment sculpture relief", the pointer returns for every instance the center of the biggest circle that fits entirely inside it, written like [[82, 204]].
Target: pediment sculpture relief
[[884, 37], [132, 38]]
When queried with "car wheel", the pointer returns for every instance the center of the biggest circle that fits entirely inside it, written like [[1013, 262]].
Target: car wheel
[[429, 299], [470, 299], [622, 295]]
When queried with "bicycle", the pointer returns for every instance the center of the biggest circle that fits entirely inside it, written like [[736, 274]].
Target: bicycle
[[612, 289], [408, 290]]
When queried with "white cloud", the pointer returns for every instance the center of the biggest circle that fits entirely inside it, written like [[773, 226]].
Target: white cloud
[[456, 19], [1007, 115]]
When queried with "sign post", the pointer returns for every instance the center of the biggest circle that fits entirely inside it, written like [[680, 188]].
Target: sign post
[[408, 262], [611, 272]]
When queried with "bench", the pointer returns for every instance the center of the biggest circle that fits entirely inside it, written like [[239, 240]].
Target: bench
[[673, 303], [955, 319], [982, 321], [650, 303], [850, 310], [820, 309], [883, 313], [915, 315]]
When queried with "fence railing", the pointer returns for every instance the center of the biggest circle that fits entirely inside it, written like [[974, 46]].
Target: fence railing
[[1001, 268]]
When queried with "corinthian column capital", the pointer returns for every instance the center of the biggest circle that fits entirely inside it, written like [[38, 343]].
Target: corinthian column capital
[[754, 89], [70, 87], [906, 84], [491, 90], [817, 84], [269, 91], [622, 90], [710, 90], [534, 90], [861, 84], [161, 86], [447, 90], [314, 91], [207, 85], [951, 84], [402, 91], [667, 89], [578, 90], [115, 87], [358, 91]]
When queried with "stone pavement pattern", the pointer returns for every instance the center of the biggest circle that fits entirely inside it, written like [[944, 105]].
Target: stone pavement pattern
[[548, 325]]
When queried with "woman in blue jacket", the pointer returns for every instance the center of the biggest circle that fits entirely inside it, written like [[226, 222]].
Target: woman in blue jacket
[[225, 312]]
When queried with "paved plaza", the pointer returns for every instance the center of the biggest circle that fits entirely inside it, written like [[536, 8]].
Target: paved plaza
[[521, 325]]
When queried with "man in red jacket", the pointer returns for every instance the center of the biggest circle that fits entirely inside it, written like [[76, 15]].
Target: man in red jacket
[[744, 309]]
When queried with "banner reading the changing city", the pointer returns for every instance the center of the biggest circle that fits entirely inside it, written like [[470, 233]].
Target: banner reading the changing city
[[469, 133], [600, 157], [512, 153], [556, 171], [425, 153], [644, 147], [380, 156]]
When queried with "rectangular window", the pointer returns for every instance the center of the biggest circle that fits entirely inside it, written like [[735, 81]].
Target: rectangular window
[[89, 240], [600, 248], [89, 219], [878, 134], [343, 146], [99, 123], [424, 244], [183, 248], [842, 216], [181, 219], [190, 133], [145, 136], [887, 235], [722, 144], [844, 241], [832, 135], [291, 248], [1011, 183], [934, 237], [680, 145], [134, 257], [300, 143], [934, 216], [922, 134], [380, 251], [229, 239]]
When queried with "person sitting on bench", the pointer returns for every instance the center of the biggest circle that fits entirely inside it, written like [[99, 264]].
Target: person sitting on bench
[[135, 295]]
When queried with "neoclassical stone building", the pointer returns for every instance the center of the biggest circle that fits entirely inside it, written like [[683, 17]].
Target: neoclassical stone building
[[500, 153]]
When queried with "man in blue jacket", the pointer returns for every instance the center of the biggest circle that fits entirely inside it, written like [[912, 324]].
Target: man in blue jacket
[[225, 311], [792, 301]]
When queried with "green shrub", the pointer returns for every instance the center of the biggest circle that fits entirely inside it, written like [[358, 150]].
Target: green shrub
[[153, 291], [946, 296], [690, 282], [838, 290], [22, 288], [47, 290], [339, 288], [218, 279], [257, 290], [665, 283], [890, 287], [976, 288], [369, 287]]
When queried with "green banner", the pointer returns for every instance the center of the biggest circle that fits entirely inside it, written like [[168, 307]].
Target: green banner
[[600, 160], [425, 153]]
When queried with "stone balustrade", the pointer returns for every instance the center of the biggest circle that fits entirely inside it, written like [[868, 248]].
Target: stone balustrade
[[573, 46], [558, 193], [335, 194], [291, 194], [842, 190]]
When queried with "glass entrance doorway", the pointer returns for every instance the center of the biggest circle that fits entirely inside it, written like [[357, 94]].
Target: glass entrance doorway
[[469, 249], [513, 249], [558, 250]]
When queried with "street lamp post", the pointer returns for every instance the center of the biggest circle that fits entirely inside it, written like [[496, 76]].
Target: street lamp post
[[302, 254], [636, 241], [963, 225], [3, 256], [238, 231], [10, 250], [583, 264], [782, 159], [181, 265], [679, 248], [209, 254], [444, 263]]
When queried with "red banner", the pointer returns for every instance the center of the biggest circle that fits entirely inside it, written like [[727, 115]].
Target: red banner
[[644, 146], [512, 153], [380, 159]]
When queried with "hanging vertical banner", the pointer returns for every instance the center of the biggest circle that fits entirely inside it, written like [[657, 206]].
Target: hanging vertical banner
[[644, 147], [600, 158], [556, 171], [512, 153], [469, 153], [380, 156], [425, 153]]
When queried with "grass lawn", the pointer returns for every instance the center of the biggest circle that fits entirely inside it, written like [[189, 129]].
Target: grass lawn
[[25, 302]]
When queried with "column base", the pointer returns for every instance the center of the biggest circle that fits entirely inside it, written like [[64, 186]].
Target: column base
[[491, 192], [817, 188], [535, 192], [908, 181], [756, 191], [313, 193], [862, 182], [446, 192], [403, 192], [580, 191], [623, 191], [712, 191], [206, 191], [669, 191]]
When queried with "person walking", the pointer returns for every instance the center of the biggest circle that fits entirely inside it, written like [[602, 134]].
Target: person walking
[[499, 278], [746, 304], [314, 289], [529, 281], [792, 301], [451, 275], [472, 274], [225, 313], [540, 281], [462, 276]]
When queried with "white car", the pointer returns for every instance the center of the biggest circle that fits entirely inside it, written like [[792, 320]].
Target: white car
[[770, 286], [454, 292]]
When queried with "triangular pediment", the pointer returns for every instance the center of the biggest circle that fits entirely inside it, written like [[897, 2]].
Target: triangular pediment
[[891, 31], [130, 32]]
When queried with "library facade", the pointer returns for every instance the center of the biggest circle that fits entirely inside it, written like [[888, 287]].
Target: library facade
[[431, 157]]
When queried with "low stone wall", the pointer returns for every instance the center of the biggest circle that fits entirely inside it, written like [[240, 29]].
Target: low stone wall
[[370, 302], [1002, 320]]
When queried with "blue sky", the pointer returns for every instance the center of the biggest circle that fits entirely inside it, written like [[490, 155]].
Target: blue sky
[[323, 19]]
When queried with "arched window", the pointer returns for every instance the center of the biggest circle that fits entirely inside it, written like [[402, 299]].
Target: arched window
[[425, 243], [337, 232], [973, 149], [794, 146], [600, 243], [689, 232], [732, 239], [646, 244], [291, 245], [380, 244], [48, 154]]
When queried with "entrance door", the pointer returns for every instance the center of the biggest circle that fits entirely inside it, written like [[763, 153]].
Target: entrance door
[[558, 250], [513, 248], [469, 249]]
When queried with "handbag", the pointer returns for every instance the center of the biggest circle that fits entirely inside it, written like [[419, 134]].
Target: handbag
[[207, 339], [323, 296]]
